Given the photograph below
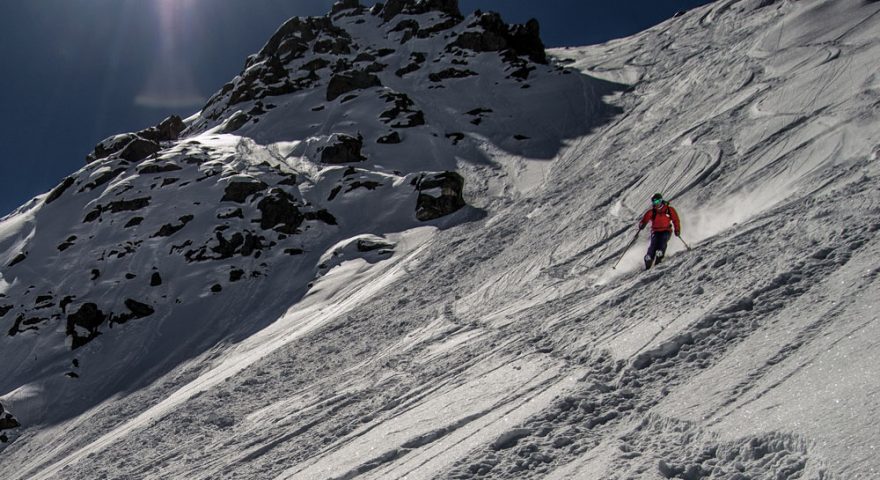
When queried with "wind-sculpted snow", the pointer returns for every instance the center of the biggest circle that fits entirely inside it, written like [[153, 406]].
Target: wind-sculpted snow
[[326, 331]]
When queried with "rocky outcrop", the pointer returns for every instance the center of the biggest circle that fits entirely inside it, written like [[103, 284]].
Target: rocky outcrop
[[280, 212], [135, 147], [439, 195], [392, 8], [239, 191], [82, 326], [347, 149], [343, 83], [496, 36], [343, 5]]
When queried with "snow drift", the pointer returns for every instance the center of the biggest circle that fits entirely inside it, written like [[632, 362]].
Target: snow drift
[[384, 251]]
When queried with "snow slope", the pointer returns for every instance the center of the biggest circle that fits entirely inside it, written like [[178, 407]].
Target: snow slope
[[496, 342]]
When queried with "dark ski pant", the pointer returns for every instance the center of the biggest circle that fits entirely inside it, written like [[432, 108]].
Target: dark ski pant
[[657, 248]]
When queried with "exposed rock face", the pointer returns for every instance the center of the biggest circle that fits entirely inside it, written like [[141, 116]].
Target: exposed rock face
[[135, 147], [167, 131], [82, 326], [343, 83], [497, 36], [343, 5], [347, 149], [238, 192], [439, 195], [56, 193], [393, 8], [278, 208]]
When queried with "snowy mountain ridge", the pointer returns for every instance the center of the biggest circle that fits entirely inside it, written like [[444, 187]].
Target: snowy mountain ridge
[[290, 285]]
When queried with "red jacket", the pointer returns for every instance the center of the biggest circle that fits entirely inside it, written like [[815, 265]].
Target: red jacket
[[662, 219]]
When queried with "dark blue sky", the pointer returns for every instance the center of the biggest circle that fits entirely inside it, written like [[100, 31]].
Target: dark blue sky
[[77, 71]]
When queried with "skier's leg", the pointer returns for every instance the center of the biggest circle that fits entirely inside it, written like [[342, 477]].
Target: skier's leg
[[652, 249], [662, 243]]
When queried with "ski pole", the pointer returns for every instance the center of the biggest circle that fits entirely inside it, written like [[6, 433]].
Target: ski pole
[[630, 244], [685, 243]]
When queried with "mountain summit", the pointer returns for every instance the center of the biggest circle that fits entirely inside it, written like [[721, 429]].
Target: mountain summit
[[385, 250]]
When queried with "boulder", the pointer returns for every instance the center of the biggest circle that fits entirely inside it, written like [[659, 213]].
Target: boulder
[[440, 194], [347, 149], [278, 208]]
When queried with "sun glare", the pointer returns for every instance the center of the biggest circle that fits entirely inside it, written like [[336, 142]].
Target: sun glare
[[171, 83]]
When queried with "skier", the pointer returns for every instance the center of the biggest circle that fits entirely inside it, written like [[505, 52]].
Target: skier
[[664, 221]]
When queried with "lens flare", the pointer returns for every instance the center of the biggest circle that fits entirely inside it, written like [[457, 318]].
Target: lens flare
[[170, 83]]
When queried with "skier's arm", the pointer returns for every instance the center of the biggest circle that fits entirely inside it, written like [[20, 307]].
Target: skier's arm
[[645, 219], [675, 221]]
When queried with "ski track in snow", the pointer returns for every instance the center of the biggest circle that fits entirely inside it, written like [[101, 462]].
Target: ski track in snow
[[507, 347]]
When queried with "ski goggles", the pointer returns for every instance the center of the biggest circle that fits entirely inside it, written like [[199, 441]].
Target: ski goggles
[[657, 202]]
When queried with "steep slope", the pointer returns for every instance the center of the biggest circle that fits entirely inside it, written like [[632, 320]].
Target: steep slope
[[506, 346]]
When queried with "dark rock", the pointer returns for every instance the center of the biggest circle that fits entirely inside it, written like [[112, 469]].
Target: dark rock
[[346, 150], [168, 130], [4, 309], [366, 245], [343, 83], [391, 138], [135, 221], [365, 57], [139, 149], [293, 251], [455, 137], [403, 113], [450, 73], [8, 422], [315, 65], [238, 192], [321, 216], [95, 274], [393, 8], [89, 318], [154, 168], [497, 36], [109, 146], [335, 46], [127, 205], [30, 324], [18, 259], [430, 207], [415, 63], [342, 5], [65, 302], [236, 275], [237, 213], [217, 288], [278, 208], [369, 185], [168, 229], [139, 309], [155, 279], [235, 122], [102, 179], [56, 192], [130, 276]]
